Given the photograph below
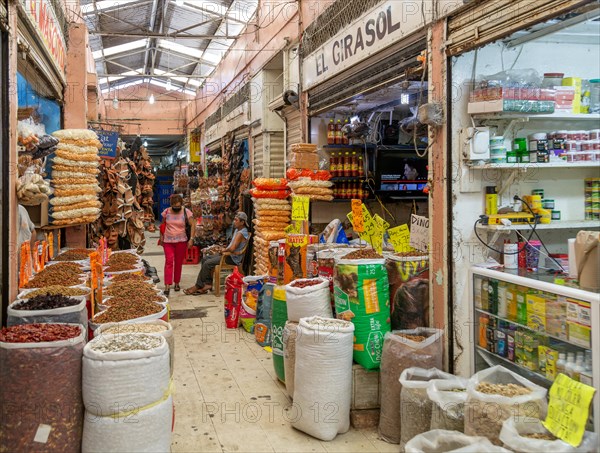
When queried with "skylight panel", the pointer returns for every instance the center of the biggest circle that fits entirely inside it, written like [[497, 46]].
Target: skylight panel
[[179, 48], [108, 51]]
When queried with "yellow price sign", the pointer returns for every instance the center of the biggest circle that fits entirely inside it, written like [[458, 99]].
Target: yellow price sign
[[357, 214], [383, 225], [294, 228], [568, 409], [372, 233], [300, 206], [400, 238]]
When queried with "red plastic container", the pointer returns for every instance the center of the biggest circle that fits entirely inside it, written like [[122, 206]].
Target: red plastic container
[[233, 299], [193, 255]]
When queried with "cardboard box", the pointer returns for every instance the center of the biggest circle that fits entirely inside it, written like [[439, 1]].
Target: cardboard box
[[580, 335], [39, 214], [536, 312], [556, 317], [307, 161]]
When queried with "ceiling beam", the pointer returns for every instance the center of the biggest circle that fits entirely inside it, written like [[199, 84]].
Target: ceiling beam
[[116, 7], [157, 35], [214, 14], [152, 27], [138, 75]]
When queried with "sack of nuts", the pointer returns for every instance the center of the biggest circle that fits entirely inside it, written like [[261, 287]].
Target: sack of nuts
[[497, 394]]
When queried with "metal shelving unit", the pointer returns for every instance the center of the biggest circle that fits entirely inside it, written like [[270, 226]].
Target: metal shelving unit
[[482, 358]]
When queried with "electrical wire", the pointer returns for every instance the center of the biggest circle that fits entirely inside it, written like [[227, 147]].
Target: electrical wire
[[547, 252], [536, 218]]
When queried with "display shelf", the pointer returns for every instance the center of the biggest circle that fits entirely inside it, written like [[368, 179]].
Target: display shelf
[[537, 116], [493, 359], [58, 227], [348, 178], [479, 310], [555, 225], [537, 166]]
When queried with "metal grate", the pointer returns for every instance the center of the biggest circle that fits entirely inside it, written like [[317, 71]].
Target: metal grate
[[236, 100], [213, 119], [339, 15]]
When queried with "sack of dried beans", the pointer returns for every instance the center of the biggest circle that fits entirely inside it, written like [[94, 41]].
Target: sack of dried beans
[[497, 394], [308, 297], [415, 405], [442, 440], [48, 309], [127, 393], [404, 349], [158, 327], [40, 393], [323, 377]]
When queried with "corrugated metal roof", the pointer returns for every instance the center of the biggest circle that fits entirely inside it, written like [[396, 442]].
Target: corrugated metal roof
[[150, 35]]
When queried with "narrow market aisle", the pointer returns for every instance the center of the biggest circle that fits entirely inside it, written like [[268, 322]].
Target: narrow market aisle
[[227, 397]]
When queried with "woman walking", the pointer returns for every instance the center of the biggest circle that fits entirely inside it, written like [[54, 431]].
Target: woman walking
[[176, 236], [233, 255]]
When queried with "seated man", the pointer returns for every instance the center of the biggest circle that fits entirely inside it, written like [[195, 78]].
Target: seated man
[[233, 255]]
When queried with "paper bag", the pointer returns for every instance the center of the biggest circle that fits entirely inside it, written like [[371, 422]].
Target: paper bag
[[588, 259]]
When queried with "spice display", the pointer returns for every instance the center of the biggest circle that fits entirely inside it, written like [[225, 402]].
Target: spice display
[[121, 267], [74, 255], [131, 289], [135, 328], [128, 277], [127, 342], [306, 283], [41, 386], [72, 268], [54, 290], [42, 280], [122, 258], [134, 299], [127, 311], [510, 390], [38, 333], [363, 254], [47, 302]]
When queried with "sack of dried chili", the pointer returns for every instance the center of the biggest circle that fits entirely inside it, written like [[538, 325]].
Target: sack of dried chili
[[70, 314], [41, 387]]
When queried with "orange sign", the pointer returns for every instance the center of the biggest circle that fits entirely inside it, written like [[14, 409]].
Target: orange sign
[[47, 25], [357, 216]]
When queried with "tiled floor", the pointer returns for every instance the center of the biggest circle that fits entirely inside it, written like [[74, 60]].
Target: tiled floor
[[227, 397]]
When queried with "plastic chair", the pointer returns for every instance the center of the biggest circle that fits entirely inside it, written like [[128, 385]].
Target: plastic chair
[[229, 267]]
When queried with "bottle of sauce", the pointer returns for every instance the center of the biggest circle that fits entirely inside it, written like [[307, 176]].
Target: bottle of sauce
[[361, 167], [335, 190], [360, 195], [333, 163], [354, 191], [338, 132], [354, 164], [345, 139], [347, 164], [331, 133]]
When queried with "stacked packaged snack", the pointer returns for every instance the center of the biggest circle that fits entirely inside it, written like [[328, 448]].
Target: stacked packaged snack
[[272, 213], [74, 177], [304, 175]]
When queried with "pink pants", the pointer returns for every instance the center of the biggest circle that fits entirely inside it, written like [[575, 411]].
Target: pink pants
[[174, 257]]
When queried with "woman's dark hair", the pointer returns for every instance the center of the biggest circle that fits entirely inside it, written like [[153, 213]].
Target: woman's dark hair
[[175, 198]]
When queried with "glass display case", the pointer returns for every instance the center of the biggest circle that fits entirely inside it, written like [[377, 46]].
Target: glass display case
[[535, 327]]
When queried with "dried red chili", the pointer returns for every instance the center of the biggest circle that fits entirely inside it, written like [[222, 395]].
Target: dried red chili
[[37, 333]]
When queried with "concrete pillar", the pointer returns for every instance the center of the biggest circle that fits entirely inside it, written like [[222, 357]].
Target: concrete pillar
[[438, 204], [75, 108]]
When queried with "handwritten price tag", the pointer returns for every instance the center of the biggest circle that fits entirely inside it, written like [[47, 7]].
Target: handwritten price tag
[[372, 233], [357, 214], [293, 228], [568, 409], [400, 238], [419, 232], [300, 206]]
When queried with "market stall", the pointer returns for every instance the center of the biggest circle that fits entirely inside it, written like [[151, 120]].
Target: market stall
[[76, 295]]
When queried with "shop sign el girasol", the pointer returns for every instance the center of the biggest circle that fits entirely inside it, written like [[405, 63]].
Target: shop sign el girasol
[[374, 31], [47, 25]]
